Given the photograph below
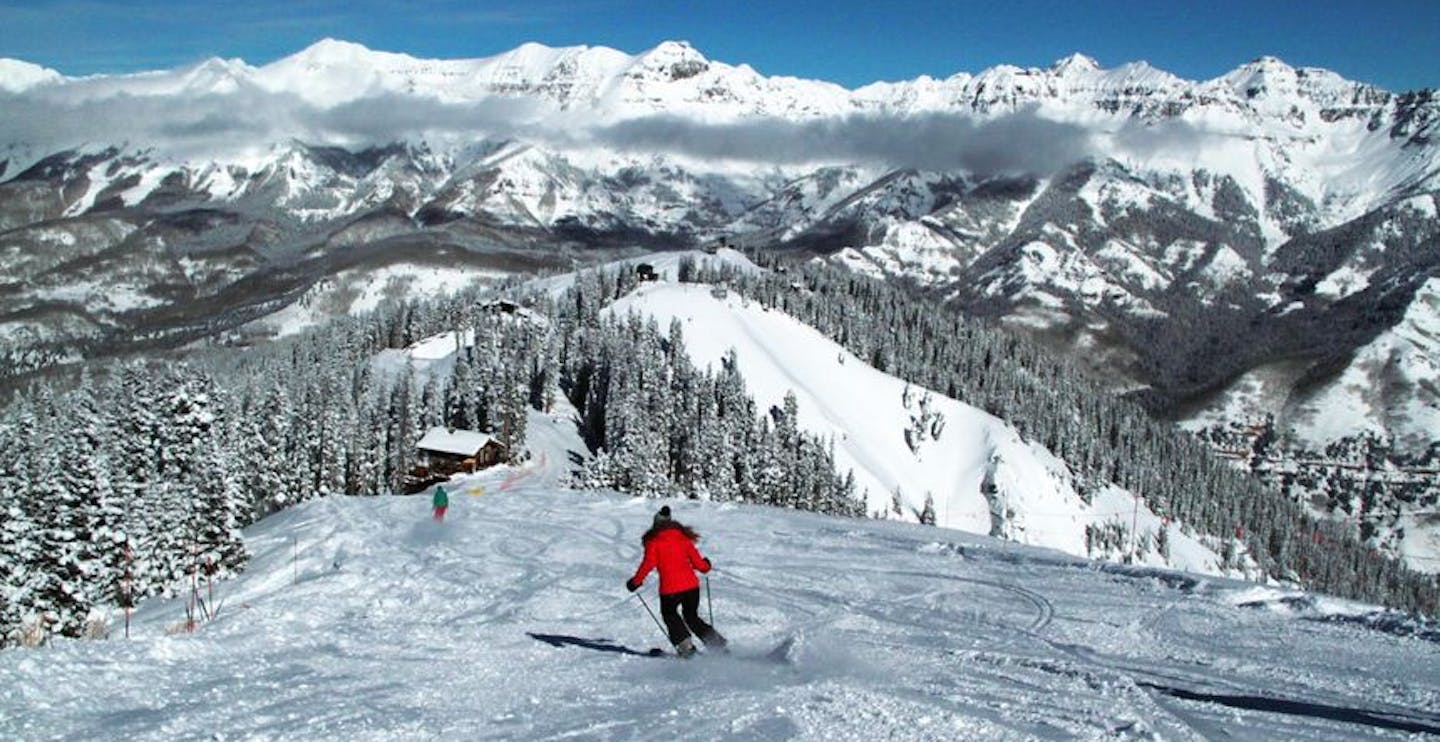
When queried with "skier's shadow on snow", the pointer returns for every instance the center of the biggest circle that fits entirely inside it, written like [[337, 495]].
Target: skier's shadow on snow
[[599, 645]]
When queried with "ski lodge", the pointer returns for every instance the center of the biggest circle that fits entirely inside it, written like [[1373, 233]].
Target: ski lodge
[[445, 451]]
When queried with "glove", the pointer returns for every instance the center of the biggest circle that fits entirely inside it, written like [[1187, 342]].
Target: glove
[[709, 565], [632, 585]]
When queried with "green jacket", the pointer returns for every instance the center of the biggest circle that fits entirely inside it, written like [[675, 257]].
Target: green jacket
[[441, 499]]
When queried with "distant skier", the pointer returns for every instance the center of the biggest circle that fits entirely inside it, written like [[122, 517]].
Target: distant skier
[[441, 503], [670, 549]]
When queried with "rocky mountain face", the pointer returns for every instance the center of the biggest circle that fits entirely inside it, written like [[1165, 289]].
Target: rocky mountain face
[[1254, 255]]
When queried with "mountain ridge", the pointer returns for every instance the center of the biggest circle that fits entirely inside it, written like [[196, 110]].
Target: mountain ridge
[[332, 52], [1191, 238]]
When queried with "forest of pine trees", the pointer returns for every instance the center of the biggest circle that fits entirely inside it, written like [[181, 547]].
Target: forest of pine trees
[[1103, 439], [137, 480], [660, 426]]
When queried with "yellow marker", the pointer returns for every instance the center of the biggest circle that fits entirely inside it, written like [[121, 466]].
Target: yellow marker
[[477, 491]]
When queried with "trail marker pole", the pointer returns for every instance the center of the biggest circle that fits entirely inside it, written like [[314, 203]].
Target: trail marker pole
[[1134, 532]]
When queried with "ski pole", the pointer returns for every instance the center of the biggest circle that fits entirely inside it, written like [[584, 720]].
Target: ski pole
[[708, 604], [652, 616]]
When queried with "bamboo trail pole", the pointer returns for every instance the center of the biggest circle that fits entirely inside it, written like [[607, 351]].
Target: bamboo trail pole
[[129, 594], [1134, 532]]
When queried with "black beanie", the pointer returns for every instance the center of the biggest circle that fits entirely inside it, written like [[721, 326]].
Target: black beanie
[[663, 516]]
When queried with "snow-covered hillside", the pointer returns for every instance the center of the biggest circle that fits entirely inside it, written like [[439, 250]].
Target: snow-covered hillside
[[982, 476], [1085, 202], [360, 619], [356, 291], [1261, 243], [1375, 392]]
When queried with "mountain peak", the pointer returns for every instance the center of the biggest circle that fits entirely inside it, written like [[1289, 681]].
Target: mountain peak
[[674, 48], [1076, 62], [534, 47], [677, 58], [329, 51], [1265, 66], [332, 45], [1268, 62], [1261, 77]]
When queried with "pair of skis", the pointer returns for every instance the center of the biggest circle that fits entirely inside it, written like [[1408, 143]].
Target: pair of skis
[[781, 654]]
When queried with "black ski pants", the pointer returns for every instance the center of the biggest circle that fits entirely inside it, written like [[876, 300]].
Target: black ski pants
[[681, 612]]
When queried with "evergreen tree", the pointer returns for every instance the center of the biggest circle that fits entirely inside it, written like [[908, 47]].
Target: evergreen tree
[[927, 515]]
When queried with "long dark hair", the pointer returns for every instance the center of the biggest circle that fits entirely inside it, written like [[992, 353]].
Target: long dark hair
[[667, 525]]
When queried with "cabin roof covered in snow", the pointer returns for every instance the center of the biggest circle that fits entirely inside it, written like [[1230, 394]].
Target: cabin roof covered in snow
[[458, 442]]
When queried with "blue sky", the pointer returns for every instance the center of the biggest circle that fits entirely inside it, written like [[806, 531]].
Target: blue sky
[[1392, 43]]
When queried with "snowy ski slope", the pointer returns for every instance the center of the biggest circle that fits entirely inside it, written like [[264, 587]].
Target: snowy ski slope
[[359, 619]]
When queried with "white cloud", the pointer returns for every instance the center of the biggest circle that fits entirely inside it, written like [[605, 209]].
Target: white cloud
[[204, 124]]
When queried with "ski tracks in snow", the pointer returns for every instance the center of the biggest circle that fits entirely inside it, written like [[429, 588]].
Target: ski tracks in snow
[[361, 619]]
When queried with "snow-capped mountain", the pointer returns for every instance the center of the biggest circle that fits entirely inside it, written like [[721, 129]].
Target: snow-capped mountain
[[1255, 245]]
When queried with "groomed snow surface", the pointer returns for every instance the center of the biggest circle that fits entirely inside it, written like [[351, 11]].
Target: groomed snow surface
[[361, 619]]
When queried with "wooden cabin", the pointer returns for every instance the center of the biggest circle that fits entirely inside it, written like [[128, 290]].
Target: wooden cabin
[[444, 452], [646, 272], [502, 306]]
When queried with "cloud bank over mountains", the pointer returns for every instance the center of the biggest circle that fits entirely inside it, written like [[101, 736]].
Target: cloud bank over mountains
[[670, 101], [208, 124], [1021, 142], [673, 101]]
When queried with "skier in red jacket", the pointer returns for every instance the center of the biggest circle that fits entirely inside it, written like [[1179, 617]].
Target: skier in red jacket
[[670, 548]]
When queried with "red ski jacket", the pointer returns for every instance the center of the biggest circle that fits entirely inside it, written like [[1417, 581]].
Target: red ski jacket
[[671, 552]]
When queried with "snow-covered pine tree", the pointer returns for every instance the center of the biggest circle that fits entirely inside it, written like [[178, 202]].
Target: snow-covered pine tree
[[270, 450], [714, 475], [927, 513], [32, 580], [461, 407], [135, 422], [14, 524], [336, 424], [514, 394], [187, 471], [99, 515], [366, 458], [53, 508], [400, 429], [681, 416], [217, 507]]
